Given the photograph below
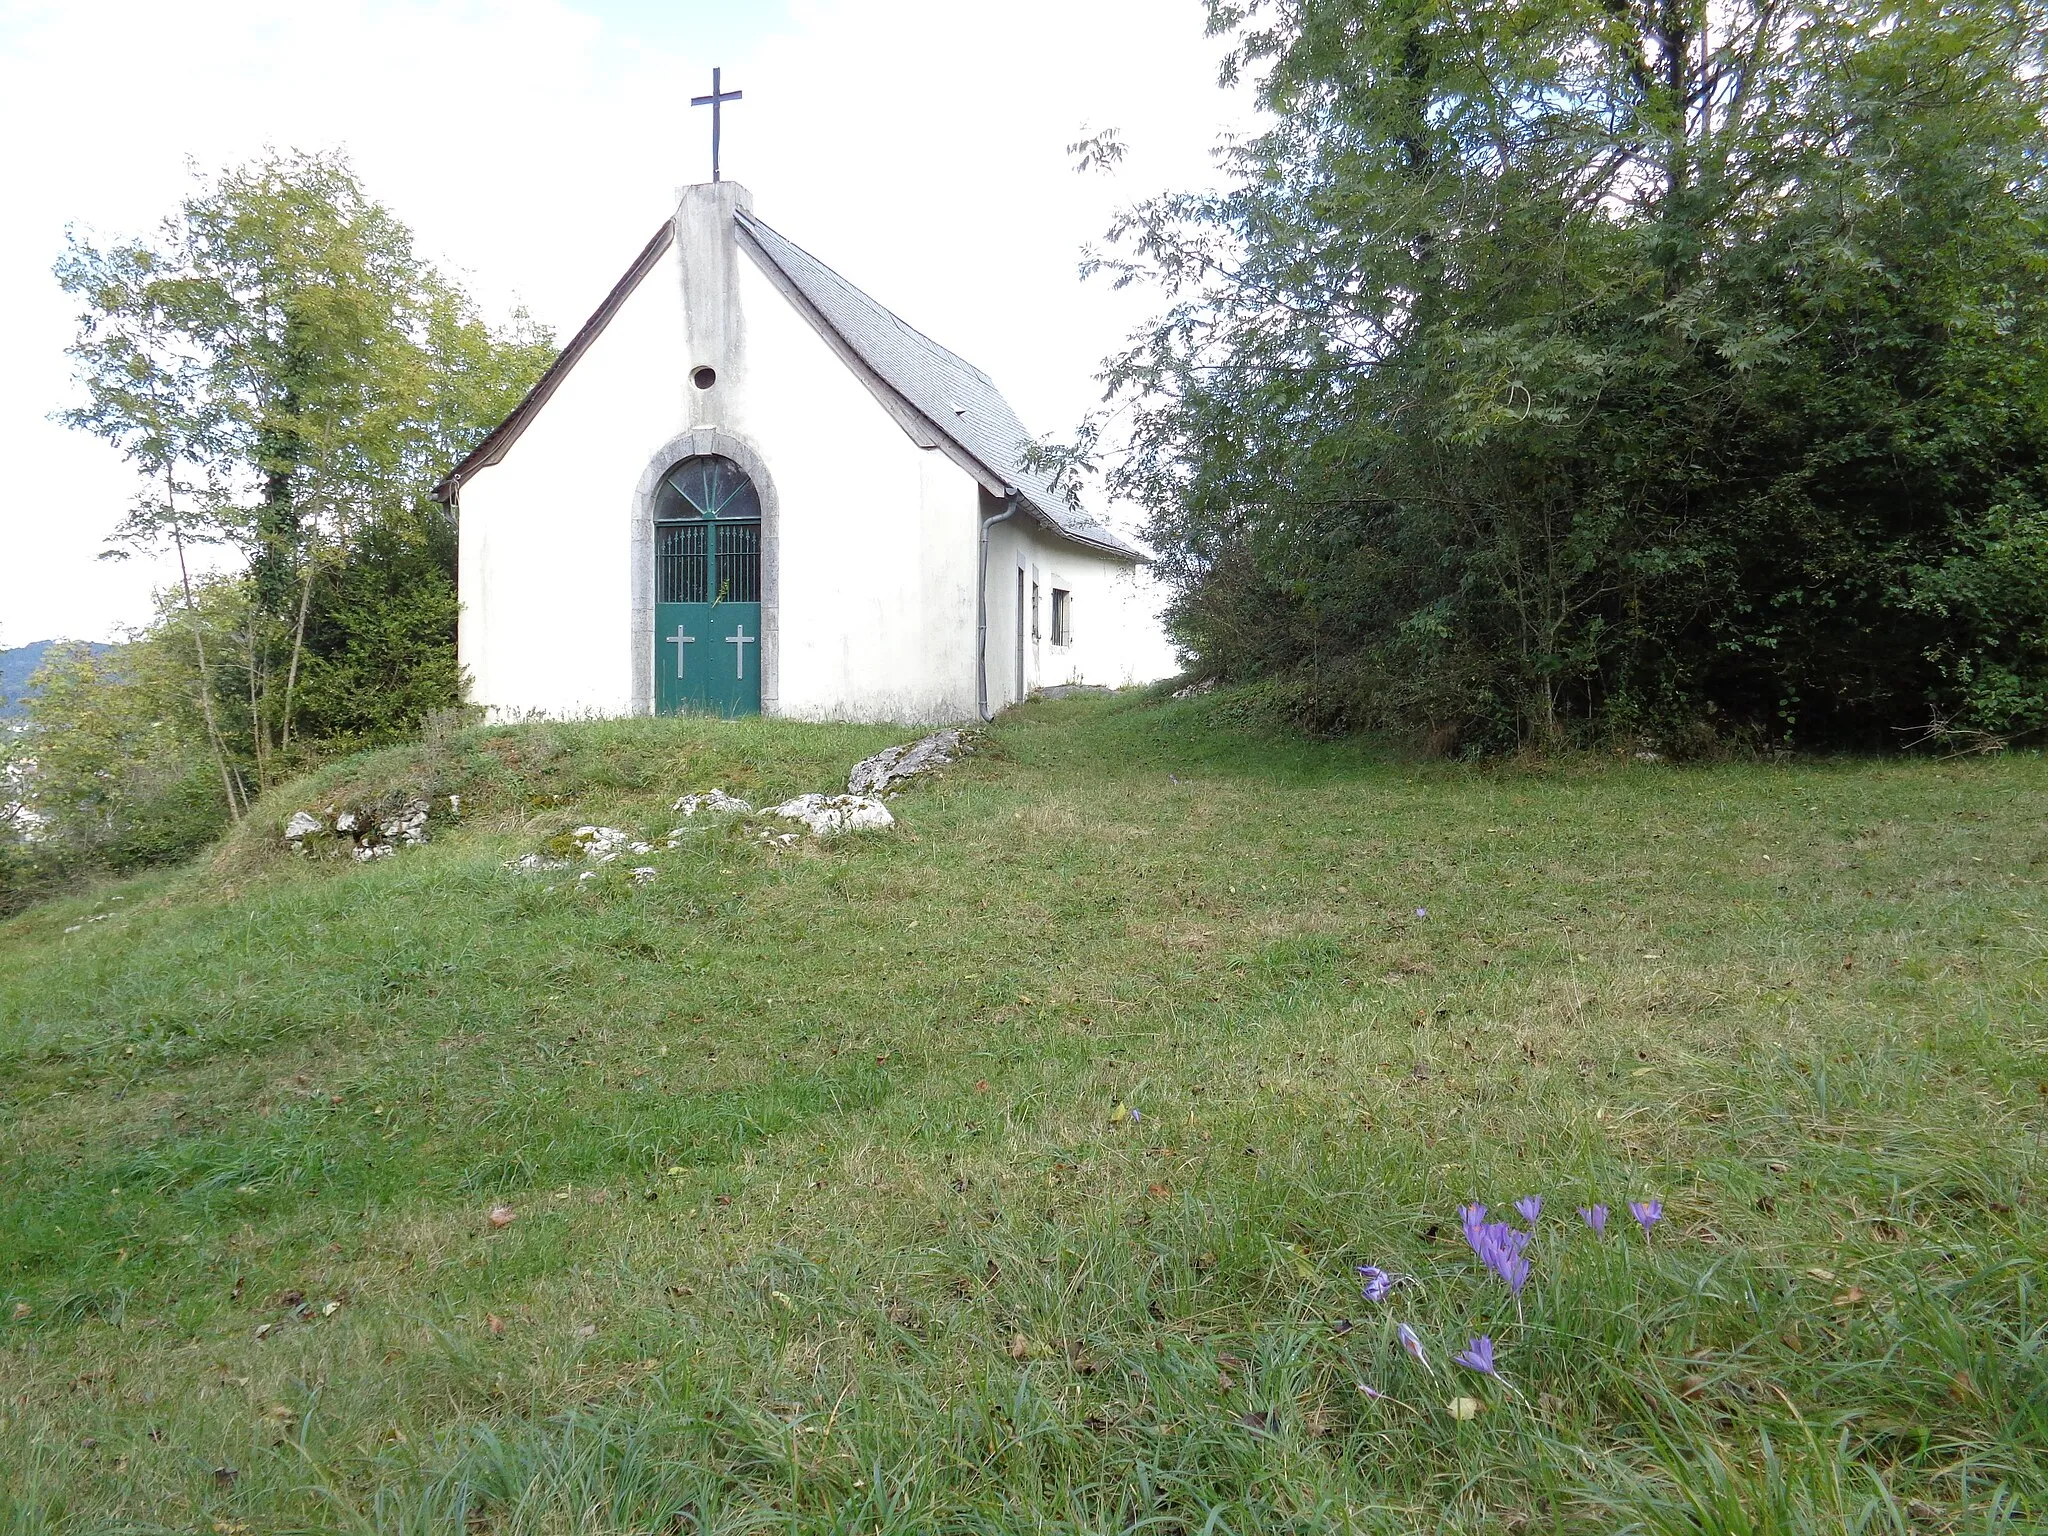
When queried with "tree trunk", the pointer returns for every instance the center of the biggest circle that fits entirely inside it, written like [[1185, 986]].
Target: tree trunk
[[237, 808], [291, 679]]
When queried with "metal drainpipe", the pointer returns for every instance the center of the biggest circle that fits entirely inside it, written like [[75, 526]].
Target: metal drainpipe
[[1011, 499]]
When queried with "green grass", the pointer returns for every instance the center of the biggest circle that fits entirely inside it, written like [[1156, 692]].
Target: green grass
[[824, 1222]]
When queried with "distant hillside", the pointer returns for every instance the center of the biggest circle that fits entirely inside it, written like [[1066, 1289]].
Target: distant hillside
[[16, 667]]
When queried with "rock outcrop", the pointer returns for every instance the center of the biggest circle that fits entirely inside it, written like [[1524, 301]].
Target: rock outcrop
[[890, 769], [830, 815]]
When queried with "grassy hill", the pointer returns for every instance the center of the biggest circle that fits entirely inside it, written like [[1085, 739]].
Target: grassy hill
[[1009, 1171]]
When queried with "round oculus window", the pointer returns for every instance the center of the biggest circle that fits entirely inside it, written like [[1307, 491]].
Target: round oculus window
[[704, 378]]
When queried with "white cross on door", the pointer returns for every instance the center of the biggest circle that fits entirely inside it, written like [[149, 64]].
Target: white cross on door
[[679, 640], [739, 640]]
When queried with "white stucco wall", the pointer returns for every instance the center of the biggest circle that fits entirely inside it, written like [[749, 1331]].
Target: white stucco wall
[[544, 562], [877, 541], [874, 541], [1116, 638]]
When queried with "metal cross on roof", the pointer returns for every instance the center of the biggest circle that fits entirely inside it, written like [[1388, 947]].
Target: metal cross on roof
[[714, 101]]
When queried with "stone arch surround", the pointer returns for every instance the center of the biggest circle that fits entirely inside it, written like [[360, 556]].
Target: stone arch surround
[[684, 445]]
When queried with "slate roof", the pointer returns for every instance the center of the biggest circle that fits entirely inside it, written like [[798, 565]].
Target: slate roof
[[940, 399], [944, 393]]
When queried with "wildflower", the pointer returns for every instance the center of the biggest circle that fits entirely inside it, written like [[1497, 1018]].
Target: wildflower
[[1373, 1393], [1422, 911], [1647, 1214], [1472, 1217], [1377, 1282], [1500, 1247], [1594, 1216], [1478, 1355], [1411, 1342], [1531, 1206]]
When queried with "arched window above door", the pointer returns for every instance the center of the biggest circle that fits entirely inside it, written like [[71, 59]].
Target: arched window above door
[[706, 486], [707, 533]]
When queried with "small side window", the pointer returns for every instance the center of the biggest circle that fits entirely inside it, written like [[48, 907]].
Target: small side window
[[1062, 616]]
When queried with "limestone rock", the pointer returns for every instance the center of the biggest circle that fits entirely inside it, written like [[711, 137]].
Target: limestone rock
[[601, 845], [712, 802], [829, 815], [893, 767], [535, 863], [304, 824]]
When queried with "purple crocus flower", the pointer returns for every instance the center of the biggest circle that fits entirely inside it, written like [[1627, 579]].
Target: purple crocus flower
[[1531, 1206], [1478, 1355], [1372, 1392], [1595, 1216], [1647, 1214], [1377, 1282], [1411, 1342], [1501, 1248], [1471, 1218]]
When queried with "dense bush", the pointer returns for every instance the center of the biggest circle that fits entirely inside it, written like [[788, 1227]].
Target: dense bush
[[1572, 369]]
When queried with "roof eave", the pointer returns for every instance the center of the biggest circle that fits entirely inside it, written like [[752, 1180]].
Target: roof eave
[[499, 440]]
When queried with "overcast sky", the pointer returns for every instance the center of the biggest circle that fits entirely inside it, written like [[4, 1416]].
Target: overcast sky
[[533, 145]]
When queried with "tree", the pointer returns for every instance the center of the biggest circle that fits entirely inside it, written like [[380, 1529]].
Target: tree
[[289, 378], [1576, 366]]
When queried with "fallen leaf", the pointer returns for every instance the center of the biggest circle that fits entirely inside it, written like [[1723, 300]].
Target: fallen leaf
[[1157, 1191], [1020, 1347], [496, 1324], [1693, 1388], [279, 1412], [1963, 1387], [263, 1330], [224, 1477], [781, 1299], [502, 1216], [330, 1309], [1464, 1409], [1259, 1421], [982, 1086], [1118, 1112], [21, 1310], [1821, 1274], [587, 1331], [1851, 1297], [1549, 1403]]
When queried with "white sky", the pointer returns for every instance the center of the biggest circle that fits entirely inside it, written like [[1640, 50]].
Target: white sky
[[533, 145]]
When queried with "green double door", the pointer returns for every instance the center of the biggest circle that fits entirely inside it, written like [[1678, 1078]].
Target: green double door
[[707, 609], [708, 646]]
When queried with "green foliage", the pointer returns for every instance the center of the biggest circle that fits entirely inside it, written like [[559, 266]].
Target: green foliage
[[290, 378], [1571, 367], [380, 636], [121, 776], [820, 1218]]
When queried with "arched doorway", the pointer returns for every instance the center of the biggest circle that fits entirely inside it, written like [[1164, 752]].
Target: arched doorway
[[707, 589]]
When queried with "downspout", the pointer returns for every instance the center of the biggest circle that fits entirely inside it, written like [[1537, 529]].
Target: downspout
[[1012, 505]]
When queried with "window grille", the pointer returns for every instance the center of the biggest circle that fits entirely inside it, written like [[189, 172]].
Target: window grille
[[739, 562], [683, 571]]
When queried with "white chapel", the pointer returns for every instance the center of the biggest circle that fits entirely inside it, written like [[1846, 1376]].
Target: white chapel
[[746, 487]]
